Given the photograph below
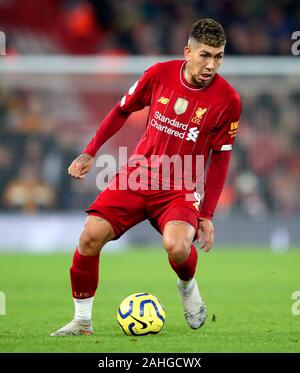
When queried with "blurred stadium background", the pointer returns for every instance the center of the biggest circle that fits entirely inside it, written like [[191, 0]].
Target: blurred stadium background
[[66, 65]]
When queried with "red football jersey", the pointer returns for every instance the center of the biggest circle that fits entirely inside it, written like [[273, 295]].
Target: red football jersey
[[183, 120]]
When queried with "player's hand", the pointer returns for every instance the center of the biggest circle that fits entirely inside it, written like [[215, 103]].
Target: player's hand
[[81, 166], [206, 226]]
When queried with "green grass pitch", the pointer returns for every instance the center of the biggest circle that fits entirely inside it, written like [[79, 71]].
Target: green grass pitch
[[247, 292]]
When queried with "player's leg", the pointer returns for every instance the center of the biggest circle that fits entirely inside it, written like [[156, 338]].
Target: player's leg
[[84, 274], [176, 219], [111, 214], [177, 240], [178, 236]]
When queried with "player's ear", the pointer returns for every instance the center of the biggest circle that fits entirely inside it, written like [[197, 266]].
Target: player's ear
[[187, 52]]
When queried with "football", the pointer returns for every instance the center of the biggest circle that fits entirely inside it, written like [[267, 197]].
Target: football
[[141, 314]]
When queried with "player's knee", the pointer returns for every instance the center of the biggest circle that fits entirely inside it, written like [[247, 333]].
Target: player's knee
[[177, 248], [90, 244]]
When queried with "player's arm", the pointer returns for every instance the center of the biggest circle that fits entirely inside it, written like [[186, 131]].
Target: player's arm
[[138, 96], [107, 128], [215, 179], [217, 172]]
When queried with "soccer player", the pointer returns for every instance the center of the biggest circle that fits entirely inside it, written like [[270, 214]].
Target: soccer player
[[193, 111]]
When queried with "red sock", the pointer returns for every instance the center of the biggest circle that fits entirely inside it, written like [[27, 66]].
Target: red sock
[[84, 275], [186, 270]]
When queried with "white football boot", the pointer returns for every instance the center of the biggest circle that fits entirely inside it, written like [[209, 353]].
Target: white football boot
[[194, 307], [75, 327]]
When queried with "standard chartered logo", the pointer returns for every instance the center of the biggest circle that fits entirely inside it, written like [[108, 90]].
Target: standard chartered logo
[[173, 127], [172, 122], [193, 134]]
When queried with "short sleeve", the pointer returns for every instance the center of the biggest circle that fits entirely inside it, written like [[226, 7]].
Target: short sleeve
[[139, 95], [226, 131]]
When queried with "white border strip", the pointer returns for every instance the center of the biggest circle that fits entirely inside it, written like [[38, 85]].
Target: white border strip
[[136, 65]]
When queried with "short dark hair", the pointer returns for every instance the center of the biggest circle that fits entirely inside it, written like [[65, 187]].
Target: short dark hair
[[208, 31]]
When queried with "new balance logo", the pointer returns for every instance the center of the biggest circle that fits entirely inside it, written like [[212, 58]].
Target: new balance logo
[[163, 100], [193, 134]]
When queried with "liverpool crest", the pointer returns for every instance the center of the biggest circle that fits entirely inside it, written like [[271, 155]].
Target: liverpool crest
[[180, 106], [199, 114]]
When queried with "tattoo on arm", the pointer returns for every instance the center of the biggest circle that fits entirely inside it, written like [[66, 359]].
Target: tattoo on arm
[[83, 158]]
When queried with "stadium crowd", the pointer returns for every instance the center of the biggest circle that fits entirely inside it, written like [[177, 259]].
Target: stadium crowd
[[147, 27]]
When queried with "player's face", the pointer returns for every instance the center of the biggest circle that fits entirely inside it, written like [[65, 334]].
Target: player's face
[[203, 63]]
